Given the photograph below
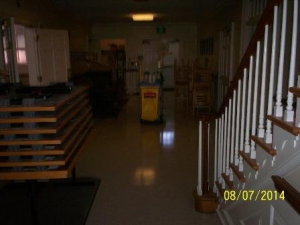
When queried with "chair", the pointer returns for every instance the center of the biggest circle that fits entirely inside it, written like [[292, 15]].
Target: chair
[[201, 89], [182, 74]]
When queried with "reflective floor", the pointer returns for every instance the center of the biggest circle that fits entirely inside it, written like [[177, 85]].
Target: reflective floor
[[147, 171]]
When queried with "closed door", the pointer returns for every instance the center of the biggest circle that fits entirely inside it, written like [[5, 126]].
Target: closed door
[[48, 57]]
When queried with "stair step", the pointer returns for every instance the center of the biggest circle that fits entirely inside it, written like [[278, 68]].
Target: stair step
[[251, 162], [295, 91], [219, 186], [288, 126], [267, 147], [227, 181], [240, 175]]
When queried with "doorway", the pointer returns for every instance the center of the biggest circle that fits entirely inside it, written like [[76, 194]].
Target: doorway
[[161, 51]]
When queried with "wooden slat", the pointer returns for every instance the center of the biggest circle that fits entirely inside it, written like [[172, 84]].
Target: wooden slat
[[78, 143], [34, 175], [47, 141], [288, 126], [29, 152], [52, 104], [79, 152], [267, 147], [78, 122], [40, 118], [56, 151], [68, 138], [60, 162], [72, 105], [54, 162], [31, 142], [20, 130], [28, 120]]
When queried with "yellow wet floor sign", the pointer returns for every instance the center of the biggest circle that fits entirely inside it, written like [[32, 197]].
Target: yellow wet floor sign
[[150, 103]]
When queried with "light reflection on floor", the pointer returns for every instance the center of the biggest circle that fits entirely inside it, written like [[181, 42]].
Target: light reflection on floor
[[148, 171], [167, 138]]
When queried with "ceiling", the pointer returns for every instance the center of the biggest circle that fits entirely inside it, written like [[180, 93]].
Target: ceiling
[[111, 11]]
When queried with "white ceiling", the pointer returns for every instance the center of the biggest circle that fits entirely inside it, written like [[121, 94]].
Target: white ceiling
[[107, 11]]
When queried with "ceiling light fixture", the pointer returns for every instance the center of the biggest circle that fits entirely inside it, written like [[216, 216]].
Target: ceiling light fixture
[[143, 17]]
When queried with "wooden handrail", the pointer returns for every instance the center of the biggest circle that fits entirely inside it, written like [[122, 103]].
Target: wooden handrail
[[266, 18], [290, 193]]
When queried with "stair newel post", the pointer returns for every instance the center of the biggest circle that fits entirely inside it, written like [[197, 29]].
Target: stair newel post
[[278, 110], [200, 146], [261, 130], [268, 135], [206, 200], [205, 154], [289, 112], [254, 107], [247, 133]]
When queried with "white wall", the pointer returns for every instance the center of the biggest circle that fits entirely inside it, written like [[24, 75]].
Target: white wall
[[135, 33]]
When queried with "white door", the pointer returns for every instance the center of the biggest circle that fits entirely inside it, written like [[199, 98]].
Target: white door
[[168, 61], [52, 63]]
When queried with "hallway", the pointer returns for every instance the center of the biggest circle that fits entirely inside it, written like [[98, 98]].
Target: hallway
[[147, 171]]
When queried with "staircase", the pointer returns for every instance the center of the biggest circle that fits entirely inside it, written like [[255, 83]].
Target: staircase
[[257, 146]]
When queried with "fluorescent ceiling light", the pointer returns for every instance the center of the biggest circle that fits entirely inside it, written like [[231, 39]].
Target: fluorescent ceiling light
[[143, 17]]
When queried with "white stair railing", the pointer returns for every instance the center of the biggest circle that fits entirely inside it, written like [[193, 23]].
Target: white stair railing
[[243, 116]]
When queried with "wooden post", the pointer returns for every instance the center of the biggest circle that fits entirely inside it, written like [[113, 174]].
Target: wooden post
[[207, 201]]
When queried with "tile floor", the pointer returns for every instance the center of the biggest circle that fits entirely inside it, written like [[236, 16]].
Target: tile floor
[[148, 171]]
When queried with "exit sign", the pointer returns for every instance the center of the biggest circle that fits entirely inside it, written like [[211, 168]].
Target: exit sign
[[160, 30]]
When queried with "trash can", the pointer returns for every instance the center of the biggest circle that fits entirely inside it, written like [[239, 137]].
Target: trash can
[[151, 102]]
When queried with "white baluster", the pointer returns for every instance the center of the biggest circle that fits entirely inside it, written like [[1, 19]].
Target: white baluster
[[237, 128], [225, 141], [247, 134], [243, 121], [289, 112], [221, 150], [254, 109], [261, 130], [224, 118], [199, 187], [278, 111], [228, 138], [232, 133], [269, 136], [208, 151], [216, 154], [241, 162]]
